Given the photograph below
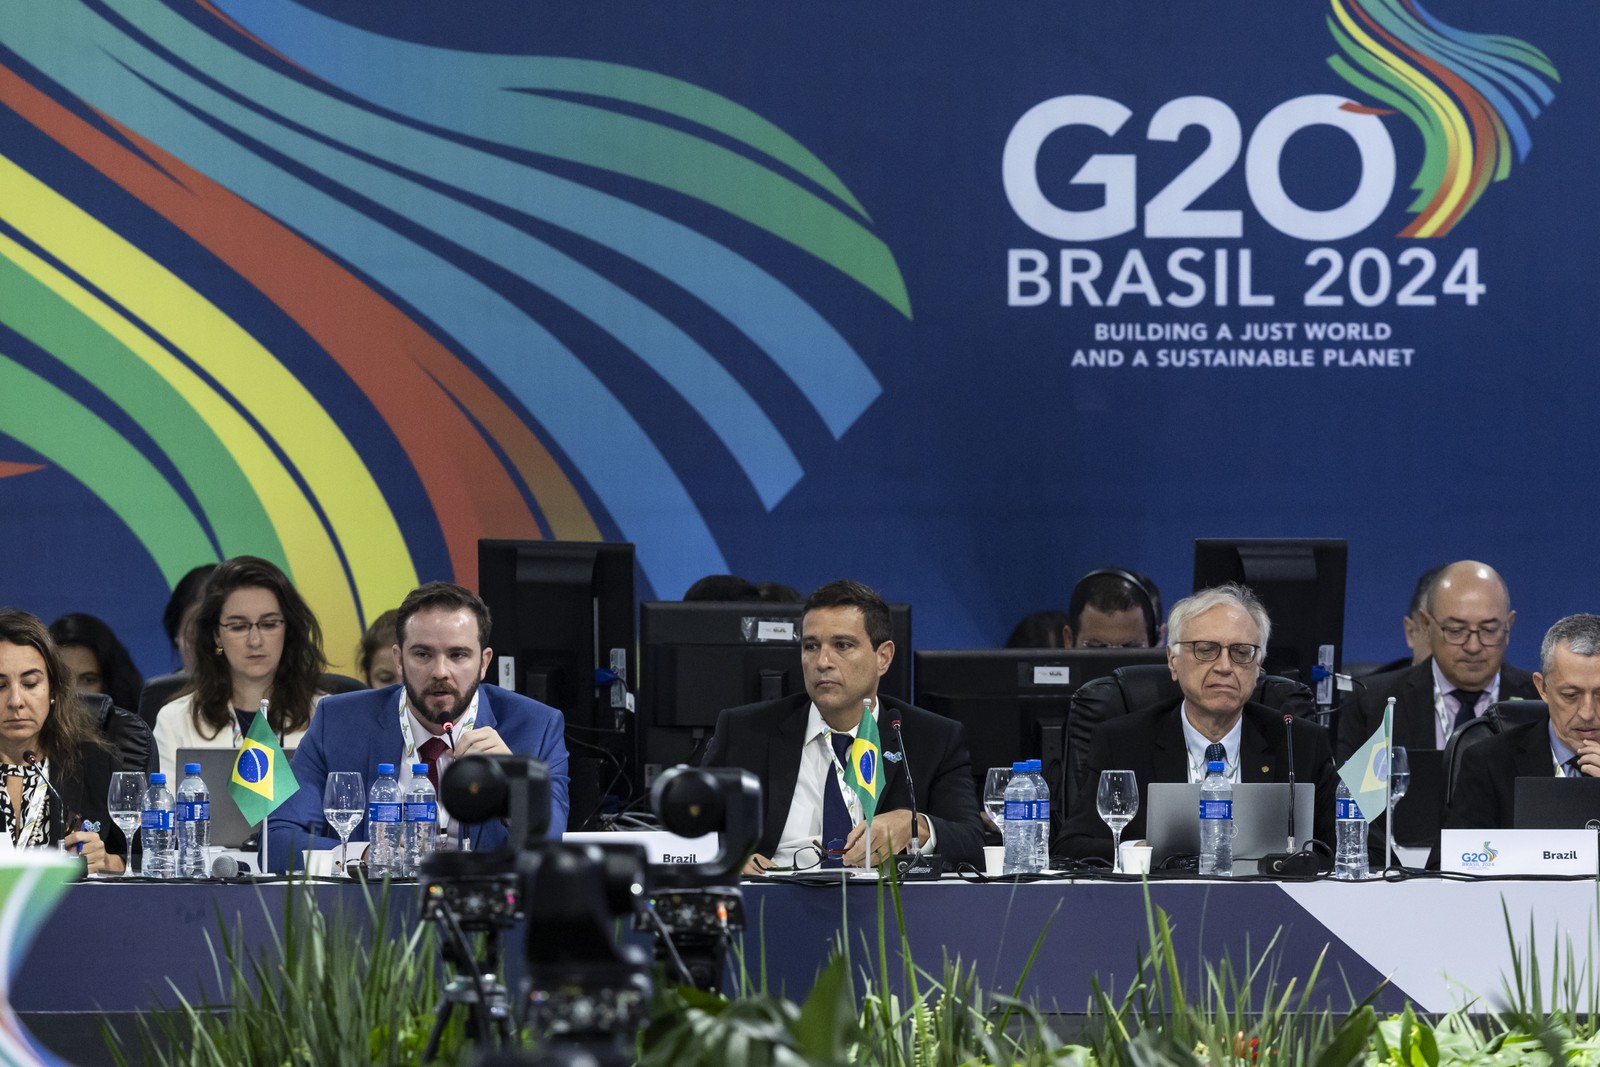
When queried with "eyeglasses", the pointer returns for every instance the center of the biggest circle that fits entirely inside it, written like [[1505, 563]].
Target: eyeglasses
[[1491, 633], [1205, 651], [239, 628]]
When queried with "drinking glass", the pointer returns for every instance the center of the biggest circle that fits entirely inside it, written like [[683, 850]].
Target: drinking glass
[[125, 800], [1118, 802], [994, 795], [344, 804], [1399, 775]]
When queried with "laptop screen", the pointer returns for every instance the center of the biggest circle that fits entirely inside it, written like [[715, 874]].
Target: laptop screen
[[1260, 820], [1550, 803]]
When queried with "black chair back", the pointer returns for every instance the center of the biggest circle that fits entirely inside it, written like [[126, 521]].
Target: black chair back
[[1501, 714], [130, 737]]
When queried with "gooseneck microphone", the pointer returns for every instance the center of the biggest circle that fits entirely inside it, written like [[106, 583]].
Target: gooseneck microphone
[[31, 758], [1288, 747], [911, 786], [449, 735]]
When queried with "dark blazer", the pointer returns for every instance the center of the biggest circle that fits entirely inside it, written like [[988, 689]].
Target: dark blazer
[[1412, 689], [358, 731], [765, 739], [1150, 744], [84, 787]]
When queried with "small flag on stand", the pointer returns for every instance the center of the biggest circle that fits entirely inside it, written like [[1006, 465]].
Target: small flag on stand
[[1366, 772]]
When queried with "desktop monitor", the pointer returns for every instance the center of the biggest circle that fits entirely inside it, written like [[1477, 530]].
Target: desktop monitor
[[1301, 583], [697, 658], [560, 611], [1014, 701]]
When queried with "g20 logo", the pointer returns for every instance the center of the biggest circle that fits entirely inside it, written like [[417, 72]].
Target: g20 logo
[[1170, 212], [1368, 277]]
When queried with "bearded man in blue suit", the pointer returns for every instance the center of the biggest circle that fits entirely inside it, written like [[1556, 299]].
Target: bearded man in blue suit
[[444, 653]]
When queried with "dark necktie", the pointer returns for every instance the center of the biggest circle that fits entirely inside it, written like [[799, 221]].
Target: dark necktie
[[1467, 700], [1571, 768], [835, 814], [431, 750]]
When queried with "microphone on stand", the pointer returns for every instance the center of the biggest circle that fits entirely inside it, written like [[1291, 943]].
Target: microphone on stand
[[919, 864], [911, 787], [31, 758], [449, 735], [1288, 736]]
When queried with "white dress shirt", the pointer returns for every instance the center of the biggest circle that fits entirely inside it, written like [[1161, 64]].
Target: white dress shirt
[[1197, 743]]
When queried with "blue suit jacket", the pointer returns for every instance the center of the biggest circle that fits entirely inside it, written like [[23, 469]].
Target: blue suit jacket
[[358, 731]]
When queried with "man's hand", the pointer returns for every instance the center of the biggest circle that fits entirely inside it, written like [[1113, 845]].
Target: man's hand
[[1589, 758], [757, 864], [891, 832], [480, 741]]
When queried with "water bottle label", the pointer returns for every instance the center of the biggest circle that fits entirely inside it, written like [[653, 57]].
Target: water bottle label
[[422, 811], [1346, 808], [194, 810], [1041, 810], [1216, 809], [1019, 810], [155, 819], [383, 813]]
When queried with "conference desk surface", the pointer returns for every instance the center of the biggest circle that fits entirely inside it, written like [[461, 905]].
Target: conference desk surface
[[1442, 944]]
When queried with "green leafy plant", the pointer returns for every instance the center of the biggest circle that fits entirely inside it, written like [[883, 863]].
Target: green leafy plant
[[332, 990]]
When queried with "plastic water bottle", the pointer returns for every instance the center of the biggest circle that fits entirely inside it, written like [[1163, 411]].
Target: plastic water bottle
[[385, 858], [1350, 851], [421, 820], [194, 824], [1041, 815], [1216, 821], [1021, 828], [160, 838]]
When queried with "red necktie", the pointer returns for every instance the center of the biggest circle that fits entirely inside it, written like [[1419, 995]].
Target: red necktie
[[431, 750]]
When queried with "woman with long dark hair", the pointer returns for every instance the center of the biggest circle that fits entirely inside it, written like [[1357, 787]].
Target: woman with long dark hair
[[98, 661], [55, 766], [255, 638]]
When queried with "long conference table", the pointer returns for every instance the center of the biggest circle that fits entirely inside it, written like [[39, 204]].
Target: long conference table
[[114, 947]]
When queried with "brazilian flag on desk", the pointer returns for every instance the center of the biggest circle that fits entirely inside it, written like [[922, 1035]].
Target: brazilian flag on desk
[[865, 767], [261, 779]]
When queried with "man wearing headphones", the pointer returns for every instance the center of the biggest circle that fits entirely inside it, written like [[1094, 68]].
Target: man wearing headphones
[[1114, 608]]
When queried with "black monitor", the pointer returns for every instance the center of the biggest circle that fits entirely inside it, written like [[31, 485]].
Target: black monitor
[[697, 658], [561, 610], [1301, 583], [1014, 701]]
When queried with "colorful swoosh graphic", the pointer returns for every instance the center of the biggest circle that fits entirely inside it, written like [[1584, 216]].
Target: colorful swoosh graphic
[[291, 287], [1470, 95]]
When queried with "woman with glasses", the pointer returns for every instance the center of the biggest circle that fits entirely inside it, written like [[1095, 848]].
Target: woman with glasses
[[255, 639]]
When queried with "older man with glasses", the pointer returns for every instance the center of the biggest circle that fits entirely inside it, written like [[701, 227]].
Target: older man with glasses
[[1218, 638], [1466, 620]]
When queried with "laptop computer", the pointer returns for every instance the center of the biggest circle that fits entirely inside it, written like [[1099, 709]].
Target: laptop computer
[[228, 826], [1551, 803], [1420, 813], [1260, 820]]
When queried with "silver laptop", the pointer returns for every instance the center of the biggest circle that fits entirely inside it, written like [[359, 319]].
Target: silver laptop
[[228, 826], [1260, 820]]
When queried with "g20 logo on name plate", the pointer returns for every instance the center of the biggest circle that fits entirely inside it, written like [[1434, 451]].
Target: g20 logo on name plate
[[1469, 96]]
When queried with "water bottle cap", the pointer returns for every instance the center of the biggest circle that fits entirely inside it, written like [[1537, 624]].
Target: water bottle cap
[[1020, 767], [1215, 767], [420, 768], [158, 779], [1035, 765], [191, 768], [385, 768]]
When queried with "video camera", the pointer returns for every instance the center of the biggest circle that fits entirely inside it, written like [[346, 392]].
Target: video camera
[[584, 988]]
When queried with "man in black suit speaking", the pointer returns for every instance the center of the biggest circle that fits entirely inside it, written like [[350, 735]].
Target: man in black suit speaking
[[790, 745], [1467, 620], [1567, 744], [1218, 638]]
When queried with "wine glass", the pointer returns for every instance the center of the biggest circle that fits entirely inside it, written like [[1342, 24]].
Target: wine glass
[[344, 803], [125, 800], [994, 795], [1399, 775], [1118, 802]]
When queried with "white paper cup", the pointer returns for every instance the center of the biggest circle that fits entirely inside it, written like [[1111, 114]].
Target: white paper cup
[[319, 863], [1136, 856], [994, 860]]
